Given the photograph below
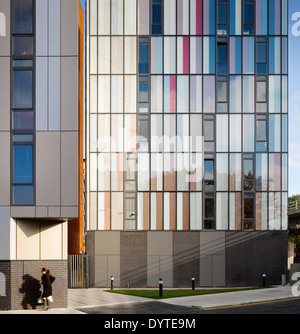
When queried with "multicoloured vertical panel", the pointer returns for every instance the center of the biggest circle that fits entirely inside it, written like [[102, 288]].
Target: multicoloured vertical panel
[[235, 57], [235, 17], [261, 17], [209, 17]]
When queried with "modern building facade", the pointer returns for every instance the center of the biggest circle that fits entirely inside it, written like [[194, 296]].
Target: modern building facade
[[39, 129], [187, 150]]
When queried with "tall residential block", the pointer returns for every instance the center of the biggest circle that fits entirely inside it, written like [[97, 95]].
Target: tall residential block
[[39, 130], [187, 150]]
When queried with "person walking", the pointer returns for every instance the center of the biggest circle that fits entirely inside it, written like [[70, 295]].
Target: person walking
[[47, 288]]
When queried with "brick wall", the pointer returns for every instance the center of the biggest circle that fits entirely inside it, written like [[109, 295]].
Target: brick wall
[[5, 286], [23, 288], [249, 255]]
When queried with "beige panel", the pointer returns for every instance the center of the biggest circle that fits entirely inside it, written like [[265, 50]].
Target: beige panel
[[105, 267], [152, 270], [117, 211], [69, 28], [101, 271], [5, 28], [4, 92], [159, 243], [51, 241], [69, 169], [41, 212], [107, 242], [69, 93], [28, 240], [113, 269], [212, 243], [5, 168], [69, 212], [47, 168], [65, 240], [22, 211], [54, 211]]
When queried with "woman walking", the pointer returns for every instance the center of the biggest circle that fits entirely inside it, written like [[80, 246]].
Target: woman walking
[[47, 288]]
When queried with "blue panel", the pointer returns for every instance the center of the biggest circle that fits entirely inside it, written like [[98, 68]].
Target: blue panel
[[23, 195], [23, 164]]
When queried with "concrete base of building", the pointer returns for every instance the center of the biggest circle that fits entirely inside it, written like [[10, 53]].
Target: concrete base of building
[[20, 287], [215, 259]]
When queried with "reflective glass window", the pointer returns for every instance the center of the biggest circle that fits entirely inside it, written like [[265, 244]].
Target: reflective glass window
[[23, 164], [22, 90], [22, 16]]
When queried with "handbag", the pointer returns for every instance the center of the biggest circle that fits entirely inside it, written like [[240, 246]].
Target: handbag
[[50, 299], [40, 300], [52, 278]]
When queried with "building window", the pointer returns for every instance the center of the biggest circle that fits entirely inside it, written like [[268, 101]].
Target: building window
[[261, 55], [248, 17], [222, 25], [23, 120], [209, 179], [261, 94], [209, 211], [22, 90], [156, 17], [248, 213], [22, 16], [261, 133], [248, 172], [209, 133]]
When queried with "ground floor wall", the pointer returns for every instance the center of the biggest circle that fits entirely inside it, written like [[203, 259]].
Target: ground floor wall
[[20, 287], [219, 258]]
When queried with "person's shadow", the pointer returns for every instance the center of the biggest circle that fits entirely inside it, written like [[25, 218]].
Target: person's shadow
[[31, 290]]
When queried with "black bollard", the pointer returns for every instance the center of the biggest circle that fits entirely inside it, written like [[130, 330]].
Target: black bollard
[[161, 283], [264, 280], [193, 283], [112, 282]]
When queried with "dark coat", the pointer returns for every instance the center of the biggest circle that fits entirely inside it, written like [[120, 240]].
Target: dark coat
[[47, 288]]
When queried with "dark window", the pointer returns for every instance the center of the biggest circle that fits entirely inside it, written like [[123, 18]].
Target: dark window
[[261, 56], [23, 120], [22, 90], [23, 164], [222, 18], [209, 182], [23, 195], [209, 212], [222, 58], [22, 16], [248, 175], [248, 17], [143, 56], [22, 46], [248, 213], [156, 17]]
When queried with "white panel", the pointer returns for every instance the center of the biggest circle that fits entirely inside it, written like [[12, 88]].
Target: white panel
[[179, 212], [166, 211], [13, 239], [54, 94], [41, 94], [42, 27], [140, 217], [51, 241], [54, 28]]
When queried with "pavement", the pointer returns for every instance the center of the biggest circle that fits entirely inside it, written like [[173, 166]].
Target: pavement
[[84, 298]]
